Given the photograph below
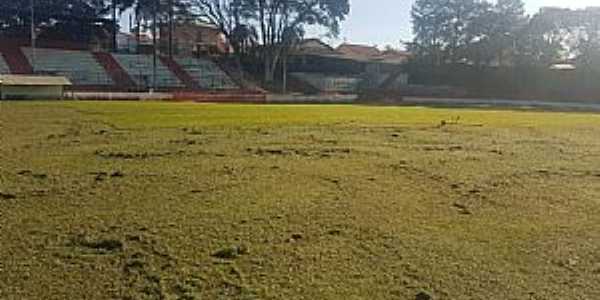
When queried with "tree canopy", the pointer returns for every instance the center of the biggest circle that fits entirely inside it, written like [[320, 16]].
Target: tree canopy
[[458, 30], [16, 14], [274, 24], [500, 33]]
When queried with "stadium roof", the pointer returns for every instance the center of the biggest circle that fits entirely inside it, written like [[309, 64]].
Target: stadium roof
[[20, 80], [313, 47], [358, 51]]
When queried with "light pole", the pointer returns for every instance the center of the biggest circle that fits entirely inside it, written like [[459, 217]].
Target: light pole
[[32, 36], [154, 50], [115, 26], [171, 29]]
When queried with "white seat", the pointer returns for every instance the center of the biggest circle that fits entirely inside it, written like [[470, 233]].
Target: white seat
[[4, 69], [206, 73], [140, 69], [81, 67]]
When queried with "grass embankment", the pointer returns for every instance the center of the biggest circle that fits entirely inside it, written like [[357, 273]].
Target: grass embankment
[[156, 200]]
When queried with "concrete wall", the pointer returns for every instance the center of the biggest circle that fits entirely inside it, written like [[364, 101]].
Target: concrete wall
[[34, 92], [324, 98], [329, 83], [118, 96]]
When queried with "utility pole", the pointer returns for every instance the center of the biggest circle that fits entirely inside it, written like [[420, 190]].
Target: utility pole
[[284, 68], [154, 50], [115, 26], [171, 13], [33, 37], [130, 30], [138, 22]]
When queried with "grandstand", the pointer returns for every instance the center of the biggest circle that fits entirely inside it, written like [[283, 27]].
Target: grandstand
[[100, 72], [119, 72], [329, 83], [206, 73], [4, 69], [104, 71], [79, 66], [140, 69]]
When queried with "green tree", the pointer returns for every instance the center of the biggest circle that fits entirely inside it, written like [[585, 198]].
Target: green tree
[[509, 21], [71, 19], [429, 18], [588, 42], [495, 30], [540, 41], [279, 23], [441, 29], [231, 17], [460, 15], [273, 24]]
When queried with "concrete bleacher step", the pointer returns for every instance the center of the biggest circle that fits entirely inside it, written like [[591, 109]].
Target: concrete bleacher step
[[392, 78], [115, 71], [179, 72], [140, 69], [207, 74], [15, 59], [241, 78], [234, 96], [297, 85], [81, 67], [101, 71], [4, 69]]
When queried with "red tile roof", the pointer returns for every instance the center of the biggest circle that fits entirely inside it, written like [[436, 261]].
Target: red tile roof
[[354, 50]]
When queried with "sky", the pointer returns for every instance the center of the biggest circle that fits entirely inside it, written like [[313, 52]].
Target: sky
[[387, 22]]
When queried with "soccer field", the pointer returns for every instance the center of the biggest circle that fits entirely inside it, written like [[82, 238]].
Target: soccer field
[[149, 200]]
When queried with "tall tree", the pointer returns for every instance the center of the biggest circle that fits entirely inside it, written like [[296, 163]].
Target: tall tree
[[280, 22], [148, 12], [75, 18], [459, 16], [587, 45], [230, 16], [442, 28], [540, 42], [510, 19], [428, 17], [495, 30], [275, 24]]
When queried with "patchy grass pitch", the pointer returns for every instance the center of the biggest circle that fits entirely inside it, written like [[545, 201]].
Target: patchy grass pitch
[[186, 201]]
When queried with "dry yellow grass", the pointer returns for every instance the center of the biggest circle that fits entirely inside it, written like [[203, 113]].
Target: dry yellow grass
[[185, 201]]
